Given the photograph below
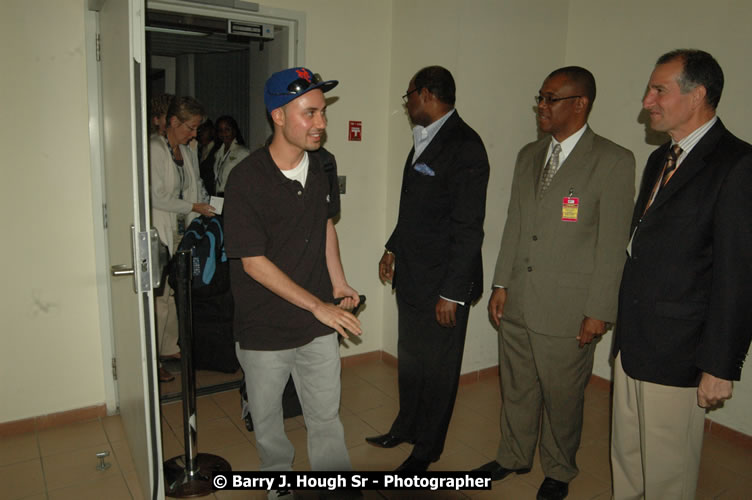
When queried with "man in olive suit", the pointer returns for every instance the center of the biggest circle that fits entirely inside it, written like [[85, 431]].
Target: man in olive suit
[[557, 279]]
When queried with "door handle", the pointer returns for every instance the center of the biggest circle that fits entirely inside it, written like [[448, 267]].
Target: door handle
[[144, 275], [121, 270]]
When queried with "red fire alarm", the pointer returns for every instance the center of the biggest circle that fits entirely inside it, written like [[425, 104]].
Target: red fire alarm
[[355, 130]]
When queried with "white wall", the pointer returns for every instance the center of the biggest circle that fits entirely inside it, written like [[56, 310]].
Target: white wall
[[620, 42], [50, 359]]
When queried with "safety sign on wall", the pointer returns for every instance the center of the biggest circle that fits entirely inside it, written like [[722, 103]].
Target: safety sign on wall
[[355, 130]]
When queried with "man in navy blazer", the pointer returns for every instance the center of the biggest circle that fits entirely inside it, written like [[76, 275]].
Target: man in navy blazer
[[685, 305], [433, 259]]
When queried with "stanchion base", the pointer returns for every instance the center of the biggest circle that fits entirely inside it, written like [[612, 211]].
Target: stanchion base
[[180, 484]]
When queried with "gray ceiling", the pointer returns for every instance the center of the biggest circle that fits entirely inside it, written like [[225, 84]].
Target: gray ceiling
[[172, 45], [209, 35]]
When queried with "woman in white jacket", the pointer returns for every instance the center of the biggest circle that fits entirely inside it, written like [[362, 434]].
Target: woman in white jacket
[[177, 196], [232, 151]]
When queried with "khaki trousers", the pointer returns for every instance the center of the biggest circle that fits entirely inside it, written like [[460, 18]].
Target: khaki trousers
[[656, 439]]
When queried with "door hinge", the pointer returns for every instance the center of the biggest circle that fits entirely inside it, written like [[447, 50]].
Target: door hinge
[[104, 215], [99, 47], [114, 369]]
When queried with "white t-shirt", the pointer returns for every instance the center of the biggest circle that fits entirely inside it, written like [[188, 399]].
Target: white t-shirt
[[300, 172]]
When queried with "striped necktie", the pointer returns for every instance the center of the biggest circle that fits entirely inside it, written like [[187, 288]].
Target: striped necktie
[[671, 160], [669, 167]]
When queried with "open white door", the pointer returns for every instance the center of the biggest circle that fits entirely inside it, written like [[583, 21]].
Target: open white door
[[123, 86]]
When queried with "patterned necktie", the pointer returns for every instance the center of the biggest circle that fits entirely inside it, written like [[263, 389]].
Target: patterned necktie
[[671, 158], [552, 166], [668, 169]]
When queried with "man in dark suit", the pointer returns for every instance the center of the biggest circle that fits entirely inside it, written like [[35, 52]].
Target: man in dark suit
[[557, 279], [685, 305], [433, 259]]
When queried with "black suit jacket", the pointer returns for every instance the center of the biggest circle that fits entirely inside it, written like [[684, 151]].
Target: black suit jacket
[[685, 304], [439, 233]]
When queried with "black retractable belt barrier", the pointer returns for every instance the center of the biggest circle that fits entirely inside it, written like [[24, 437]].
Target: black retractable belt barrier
[[189, 475]]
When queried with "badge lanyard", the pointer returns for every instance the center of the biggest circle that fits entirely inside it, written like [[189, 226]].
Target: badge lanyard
[[178, 166], [221, 166], [181, 175]]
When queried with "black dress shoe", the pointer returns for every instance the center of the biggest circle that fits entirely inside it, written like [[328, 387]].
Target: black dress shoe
[[551, 489], [413, 464], [385, 440], [497, 471]]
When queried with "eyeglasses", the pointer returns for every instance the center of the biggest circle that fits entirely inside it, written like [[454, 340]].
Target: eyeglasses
[[404, 97], [551, 100], [300, 85], [192, 129]]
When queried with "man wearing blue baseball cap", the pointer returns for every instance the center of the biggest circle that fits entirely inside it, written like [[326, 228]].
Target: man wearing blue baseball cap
[[285, 271]]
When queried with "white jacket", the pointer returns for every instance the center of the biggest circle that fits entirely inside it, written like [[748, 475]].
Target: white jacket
[[225, 161], [165, 189]]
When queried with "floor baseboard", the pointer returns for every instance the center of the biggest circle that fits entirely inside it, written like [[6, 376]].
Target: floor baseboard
[[51, 420]]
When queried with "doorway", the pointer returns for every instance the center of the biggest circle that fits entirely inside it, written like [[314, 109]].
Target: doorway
[[120, 185], [222, 59]]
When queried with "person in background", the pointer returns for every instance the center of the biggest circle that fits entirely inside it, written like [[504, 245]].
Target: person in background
[[177, 196], [205, 139], [157, 124], [207, 146], [232, 150], [158, 105]]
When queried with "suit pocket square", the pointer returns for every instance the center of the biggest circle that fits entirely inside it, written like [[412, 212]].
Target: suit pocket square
[[424, 169]]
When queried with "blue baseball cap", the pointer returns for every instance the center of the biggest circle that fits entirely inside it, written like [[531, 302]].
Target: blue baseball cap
[[288, 84]]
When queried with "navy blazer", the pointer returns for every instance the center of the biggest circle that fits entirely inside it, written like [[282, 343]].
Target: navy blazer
[[439, 232], [685, 304]]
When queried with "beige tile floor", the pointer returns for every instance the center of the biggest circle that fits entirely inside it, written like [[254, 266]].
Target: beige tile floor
[[59, 463]]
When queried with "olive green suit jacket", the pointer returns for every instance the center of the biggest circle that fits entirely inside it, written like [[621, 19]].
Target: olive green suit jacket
[[557, 272]]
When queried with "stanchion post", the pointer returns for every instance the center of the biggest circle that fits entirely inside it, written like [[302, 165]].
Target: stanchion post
[[189, 475], [188, 380]]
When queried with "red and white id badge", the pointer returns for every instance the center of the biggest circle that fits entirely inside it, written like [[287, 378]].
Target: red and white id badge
[[569, 208]]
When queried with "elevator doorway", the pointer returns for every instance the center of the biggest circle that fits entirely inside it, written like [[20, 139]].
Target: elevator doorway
[[221, 57]]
